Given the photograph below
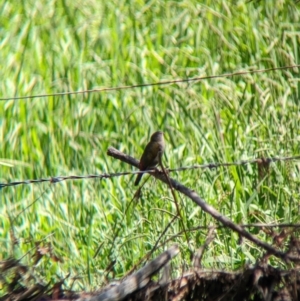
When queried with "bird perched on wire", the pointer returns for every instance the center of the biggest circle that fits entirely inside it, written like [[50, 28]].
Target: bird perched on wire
[[152, 153]]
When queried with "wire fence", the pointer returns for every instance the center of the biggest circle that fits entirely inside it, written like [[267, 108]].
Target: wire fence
[[160, 83], [55, 179]]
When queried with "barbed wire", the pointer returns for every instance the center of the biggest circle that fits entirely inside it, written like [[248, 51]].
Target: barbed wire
[[168, 82], [53, 180], [243, 162]]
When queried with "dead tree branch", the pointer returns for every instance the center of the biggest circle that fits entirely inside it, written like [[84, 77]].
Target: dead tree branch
[[204, 206]]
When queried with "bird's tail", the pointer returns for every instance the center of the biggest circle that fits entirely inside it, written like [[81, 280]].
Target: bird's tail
[[138, 178]]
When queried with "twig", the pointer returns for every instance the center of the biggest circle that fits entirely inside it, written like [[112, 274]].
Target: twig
[[147, 256], [176, 202], [199, 253]]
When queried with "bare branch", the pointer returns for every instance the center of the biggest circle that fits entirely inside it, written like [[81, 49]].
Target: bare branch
[[205, 207]]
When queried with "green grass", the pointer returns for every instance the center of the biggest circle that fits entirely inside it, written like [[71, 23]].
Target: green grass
[[59, 46]]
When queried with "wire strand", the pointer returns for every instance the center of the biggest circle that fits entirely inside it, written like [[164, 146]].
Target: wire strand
[[57, 179], [168, 82]]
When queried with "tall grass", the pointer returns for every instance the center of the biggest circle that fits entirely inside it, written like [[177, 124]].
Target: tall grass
[[52, 46]]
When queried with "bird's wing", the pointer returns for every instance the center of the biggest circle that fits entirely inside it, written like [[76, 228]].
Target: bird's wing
[[149, 157]]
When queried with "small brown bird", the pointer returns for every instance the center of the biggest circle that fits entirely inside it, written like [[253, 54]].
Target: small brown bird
[[152, 154]]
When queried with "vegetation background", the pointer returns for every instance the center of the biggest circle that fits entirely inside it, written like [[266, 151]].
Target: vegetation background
[[60, 46]]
